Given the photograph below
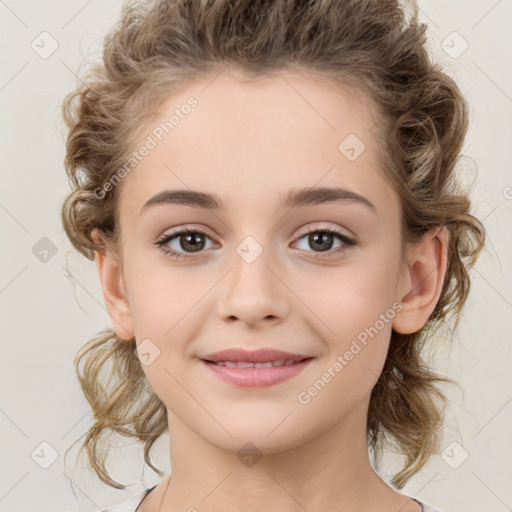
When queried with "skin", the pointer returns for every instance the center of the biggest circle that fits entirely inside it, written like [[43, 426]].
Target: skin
[[250, 142]]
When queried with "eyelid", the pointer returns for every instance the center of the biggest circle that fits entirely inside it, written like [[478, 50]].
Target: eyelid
[[185, 228], [325, 227]]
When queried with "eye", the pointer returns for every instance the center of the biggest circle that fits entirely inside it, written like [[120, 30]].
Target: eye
[[322, 239], [192, 240]]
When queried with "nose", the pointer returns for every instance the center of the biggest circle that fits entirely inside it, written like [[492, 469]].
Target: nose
[[254, 291]]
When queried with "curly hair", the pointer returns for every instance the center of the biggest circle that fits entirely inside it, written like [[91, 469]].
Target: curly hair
[[158, 46]]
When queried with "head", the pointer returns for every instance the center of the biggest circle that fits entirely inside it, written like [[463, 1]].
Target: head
[[269, 99]]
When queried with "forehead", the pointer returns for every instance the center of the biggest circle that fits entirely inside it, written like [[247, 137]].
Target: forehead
[[245, 138]]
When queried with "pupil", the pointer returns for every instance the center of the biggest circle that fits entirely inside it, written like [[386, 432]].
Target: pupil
[[189, 239], [323, 241]]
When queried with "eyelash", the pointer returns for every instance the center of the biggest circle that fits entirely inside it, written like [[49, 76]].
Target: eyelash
[[165, 239]]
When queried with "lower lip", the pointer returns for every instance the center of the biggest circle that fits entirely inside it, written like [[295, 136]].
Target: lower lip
[[256, 377]]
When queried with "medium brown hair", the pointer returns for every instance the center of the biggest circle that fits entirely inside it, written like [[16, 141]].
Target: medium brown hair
[[157, 47]]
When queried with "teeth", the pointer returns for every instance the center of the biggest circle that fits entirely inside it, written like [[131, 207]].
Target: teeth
[[264, 365], [239, 365], [244, 364]]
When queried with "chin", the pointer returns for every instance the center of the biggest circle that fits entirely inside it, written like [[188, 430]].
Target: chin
[[262, 439]]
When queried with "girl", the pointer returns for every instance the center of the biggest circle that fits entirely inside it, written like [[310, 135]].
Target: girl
[[268, 190]]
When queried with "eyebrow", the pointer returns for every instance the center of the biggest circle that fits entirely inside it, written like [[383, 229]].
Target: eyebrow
[[295, 198]]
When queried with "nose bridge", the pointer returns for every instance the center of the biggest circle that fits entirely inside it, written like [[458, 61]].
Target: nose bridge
[[253, 291]]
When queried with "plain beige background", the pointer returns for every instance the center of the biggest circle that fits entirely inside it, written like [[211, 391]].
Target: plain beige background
[[48, 312]]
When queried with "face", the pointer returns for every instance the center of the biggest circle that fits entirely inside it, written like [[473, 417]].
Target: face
[[318, 279]]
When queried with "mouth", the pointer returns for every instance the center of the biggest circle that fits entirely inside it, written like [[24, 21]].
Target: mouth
[[251, 364], [250, 374]]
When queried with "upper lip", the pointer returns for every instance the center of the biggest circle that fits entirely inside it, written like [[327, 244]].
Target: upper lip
[[256, 356]]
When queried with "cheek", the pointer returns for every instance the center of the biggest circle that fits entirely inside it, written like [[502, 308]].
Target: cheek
[[356, 327], [349, 299], [354, 308], [162, 298]]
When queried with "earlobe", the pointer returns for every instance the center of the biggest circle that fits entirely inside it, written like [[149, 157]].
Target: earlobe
[[114, 293], [425, 275]]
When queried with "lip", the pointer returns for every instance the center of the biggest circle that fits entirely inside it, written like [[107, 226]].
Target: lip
[[253, 377], [255, 356]]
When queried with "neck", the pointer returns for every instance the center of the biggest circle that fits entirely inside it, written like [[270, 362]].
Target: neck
[[330, 471]]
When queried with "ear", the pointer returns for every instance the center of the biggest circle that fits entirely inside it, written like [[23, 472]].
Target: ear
[[422, 280], [114, 293]]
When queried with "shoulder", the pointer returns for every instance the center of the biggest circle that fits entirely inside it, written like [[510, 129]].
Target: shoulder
[[129, 505], [425, 507]]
